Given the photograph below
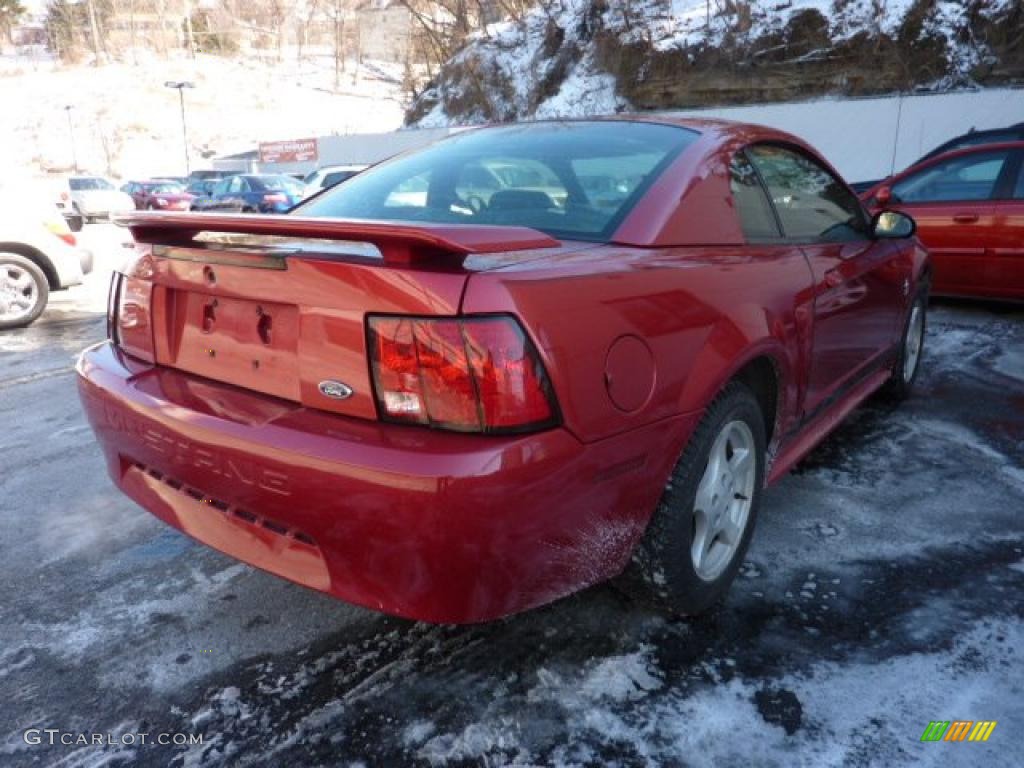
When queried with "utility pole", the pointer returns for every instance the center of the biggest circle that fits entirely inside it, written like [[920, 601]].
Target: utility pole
[[71, 130], [181, 85], [95, 31]]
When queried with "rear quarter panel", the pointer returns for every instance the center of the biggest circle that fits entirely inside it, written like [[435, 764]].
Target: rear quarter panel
[[701, 313]]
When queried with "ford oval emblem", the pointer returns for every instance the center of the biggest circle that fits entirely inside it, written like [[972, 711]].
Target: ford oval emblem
[[335, 389]]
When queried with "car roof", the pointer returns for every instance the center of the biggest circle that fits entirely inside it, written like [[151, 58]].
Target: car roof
[[974, 136], [660, 218], [961, 151]]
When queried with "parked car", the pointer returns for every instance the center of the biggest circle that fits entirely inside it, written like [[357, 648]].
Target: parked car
[[454, 414], [38, 254], [200, 191], [329, 176], [969, 208], [252, 193], [60, 193], [208, 174], [96, 198], [158, 195], [972, 138]]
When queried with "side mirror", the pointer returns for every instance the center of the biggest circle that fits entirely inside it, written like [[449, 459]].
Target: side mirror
[[883, 196], [892, 225]]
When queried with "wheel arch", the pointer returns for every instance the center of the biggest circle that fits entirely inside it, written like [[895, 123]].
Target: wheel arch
[[761, 375], [763, 365], [37, 257]]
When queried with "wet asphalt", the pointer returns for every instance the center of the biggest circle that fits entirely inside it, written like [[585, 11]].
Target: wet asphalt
[[884, 589]]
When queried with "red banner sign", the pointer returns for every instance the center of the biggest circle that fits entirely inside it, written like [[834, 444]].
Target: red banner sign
[[297, 151]]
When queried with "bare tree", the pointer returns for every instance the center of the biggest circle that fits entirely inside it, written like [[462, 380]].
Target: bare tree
[[443, 27], [340, 13], [11, 12]]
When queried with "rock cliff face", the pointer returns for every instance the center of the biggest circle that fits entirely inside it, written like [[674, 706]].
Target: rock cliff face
[[573, 57]]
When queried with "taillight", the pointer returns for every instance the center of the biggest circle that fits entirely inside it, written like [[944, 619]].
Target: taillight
[[474, 374], [276, 197], [59, 227], [130, 309]]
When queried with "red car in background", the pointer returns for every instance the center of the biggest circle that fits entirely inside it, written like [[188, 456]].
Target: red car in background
[[158, 195], [454, 412], [969, 209]]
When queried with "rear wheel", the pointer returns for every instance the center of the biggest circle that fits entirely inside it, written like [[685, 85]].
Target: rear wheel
[[23, 291], [700, 531]]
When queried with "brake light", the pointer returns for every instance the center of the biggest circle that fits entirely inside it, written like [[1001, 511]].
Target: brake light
[[275, 197], [474, 374], [130, 313]]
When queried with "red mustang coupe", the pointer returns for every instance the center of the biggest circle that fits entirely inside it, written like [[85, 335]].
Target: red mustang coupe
[[454, 411], [969, 208]]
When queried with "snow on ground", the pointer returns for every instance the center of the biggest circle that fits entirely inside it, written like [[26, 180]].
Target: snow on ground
[[126, 122], [881, 591]]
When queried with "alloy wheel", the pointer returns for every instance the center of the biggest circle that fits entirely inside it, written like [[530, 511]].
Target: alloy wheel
[[724, 497], [18, 293]]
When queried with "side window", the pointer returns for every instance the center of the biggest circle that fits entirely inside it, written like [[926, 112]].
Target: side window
[[969, 177], [752, 206], [812, 203], [1018, 190], [222, 187], [235, 185]]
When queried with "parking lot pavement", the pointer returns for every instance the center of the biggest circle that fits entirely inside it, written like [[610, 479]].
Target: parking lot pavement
[[883, 591]]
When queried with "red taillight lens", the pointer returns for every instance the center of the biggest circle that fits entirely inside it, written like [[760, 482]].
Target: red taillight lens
[[477, 374], [276, 197], [131, 328]]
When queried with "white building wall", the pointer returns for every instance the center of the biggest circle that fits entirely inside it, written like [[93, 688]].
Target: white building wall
[[869, 138]]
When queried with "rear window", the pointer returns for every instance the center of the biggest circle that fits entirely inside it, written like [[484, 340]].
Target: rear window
[[574, 180], [277, 184], [81, 185]]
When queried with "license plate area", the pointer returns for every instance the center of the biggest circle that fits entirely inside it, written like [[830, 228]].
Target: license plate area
[[251, 344]]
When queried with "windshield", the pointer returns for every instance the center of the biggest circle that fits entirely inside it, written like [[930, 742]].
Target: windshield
[[165, 189], [79, 185], [568, 179]]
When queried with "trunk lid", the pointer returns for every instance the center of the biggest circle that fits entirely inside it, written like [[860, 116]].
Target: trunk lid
[[277, 304]]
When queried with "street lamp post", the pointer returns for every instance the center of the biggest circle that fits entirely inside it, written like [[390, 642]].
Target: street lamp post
[[71, 130], [181, 85]]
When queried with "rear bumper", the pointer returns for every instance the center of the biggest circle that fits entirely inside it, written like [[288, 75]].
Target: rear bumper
[[428, 525]]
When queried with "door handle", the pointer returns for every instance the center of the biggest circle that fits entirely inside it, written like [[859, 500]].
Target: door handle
[[965, 218]]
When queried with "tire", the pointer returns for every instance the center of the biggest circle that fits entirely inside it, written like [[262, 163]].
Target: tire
[[24, 291], [908, 360], [665, 570]]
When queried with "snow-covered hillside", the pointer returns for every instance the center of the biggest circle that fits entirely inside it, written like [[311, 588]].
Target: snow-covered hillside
[[572, 57], [127, 123]]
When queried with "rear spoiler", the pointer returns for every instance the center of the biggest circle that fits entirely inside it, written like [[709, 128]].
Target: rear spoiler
[[398, 242]]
